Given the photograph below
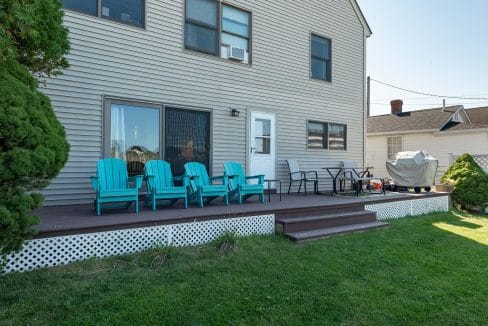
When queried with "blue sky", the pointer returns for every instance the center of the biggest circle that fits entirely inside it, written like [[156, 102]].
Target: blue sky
[[433, 46]]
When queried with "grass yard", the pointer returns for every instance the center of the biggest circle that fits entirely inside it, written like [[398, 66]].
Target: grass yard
[[424, 270]]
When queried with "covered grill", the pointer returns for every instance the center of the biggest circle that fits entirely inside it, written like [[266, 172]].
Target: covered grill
[[413, 169]]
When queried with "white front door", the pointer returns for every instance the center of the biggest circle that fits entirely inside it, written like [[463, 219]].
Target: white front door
[[262, 144]]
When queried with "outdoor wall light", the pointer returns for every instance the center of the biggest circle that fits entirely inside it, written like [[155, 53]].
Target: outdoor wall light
[[234, 112]]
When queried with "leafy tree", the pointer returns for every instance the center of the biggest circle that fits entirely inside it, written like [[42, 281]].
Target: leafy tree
[[470, 183], [32, 33], [33, 146]]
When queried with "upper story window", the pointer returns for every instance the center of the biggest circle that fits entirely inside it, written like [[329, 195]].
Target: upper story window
[[327, 135], [130, 12], [321, 67], [235, 31], [85, 6], [201, 28], [218, 29]]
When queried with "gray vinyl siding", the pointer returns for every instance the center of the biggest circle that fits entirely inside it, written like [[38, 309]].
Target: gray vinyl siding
[[151, 64]]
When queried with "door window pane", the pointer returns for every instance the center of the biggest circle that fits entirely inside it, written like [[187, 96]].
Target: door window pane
[[125, 11], [235, 21], [201, 38], [187, 138], [262, 127], [202, 11], [337, 136], [84, 6], [134, 135], [263, 145]]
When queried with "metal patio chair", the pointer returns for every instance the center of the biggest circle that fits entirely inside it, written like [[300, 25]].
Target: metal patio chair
[[303, 177]]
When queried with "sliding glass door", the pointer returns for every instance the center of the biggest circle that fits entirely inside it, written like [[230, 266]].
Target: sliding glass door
[[187, 138], [136, 132], [134, 135]]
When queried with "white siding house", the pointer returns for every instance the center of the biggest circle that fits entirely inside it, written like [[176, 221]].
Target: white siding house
[[432, 130], [115, 65]]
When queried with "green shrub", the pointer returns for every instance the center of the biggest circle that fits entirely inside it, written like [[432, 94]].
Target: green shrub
[[162, 255], [33, 146], [470, 183], [226, 242]]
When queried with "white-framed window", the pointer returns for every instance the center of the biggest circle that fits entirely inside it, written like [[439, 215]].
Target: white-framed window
[[394, 146]]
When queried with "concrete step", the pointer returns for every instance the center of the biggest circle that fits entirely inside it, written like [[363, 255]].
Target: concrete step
[[327, 232], [304, 223]]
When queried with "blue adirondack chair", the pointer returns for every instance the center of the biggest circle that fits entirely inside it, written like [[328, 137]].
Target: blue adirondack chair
[[239, 185], [112, 184], [160, 184], [201, 185]]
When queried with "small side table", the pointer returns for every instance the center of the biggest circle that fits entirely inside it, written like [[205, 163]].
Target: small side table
[[269, 187]]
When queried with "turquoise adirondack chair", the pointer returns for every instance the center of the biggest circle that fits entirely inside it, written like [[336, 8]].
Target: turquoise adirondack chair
[[239, 185], [201, 185], [160, 184], [112, 184]]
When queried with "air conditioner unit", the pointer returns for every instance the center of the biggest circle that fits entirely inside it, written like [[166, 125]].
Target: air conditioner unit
[[236, 53]]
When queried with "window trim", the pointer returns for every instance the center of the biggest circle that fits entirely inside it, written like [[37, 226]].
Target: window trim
[[99, 15], [328, 123], [329, 80], [220, 5]]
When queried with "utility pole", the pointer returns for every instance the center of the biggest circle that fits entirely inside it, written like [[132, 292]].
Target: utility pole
[[368, 96]]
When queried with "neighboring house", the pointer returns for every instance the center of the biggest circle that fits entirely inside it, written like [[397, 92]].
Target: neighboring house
[[203, 80], [443, 133]]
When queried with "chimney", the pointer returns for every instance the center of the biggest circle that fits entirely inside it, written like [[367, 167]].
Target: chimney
[[396, 106]]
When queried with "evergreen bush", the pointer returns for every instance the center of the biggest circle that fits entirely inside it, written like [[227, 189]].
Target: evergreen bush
[[33, 146], [470, 183]]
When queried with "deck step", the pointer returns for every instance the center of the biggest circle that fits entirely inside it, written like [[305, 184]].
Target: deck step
[[315, 211], [304, 223], [327, 232]]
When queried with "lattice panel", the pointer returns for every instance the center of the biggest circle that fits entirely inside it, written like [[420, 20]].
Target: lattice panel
[[55, 251], [413, 207], [481, 159]]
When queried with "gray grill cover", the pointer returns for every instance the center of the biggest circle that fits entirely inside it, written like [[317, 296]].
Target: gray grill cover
[[413, 169]]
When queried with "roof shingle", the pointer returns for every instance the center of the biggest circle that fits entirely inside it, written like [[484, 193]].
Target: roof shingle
[[429, 119], [478, 115]]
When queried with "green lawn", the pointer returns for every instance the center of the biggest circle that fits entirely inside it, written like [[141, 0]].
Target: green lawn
[[424, 270]]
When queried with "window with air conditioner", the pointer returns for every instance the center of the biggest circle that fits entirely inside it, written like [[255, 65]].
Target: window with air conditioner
[[219, 29]]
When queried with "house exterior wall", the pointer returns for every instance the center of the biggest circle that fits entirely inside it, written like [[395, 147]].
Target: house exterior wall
[[109, 59], [440, 145]]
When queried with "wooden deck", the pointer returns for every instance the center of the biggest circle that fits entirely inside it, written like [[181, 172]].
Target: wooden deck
[[77, 219]]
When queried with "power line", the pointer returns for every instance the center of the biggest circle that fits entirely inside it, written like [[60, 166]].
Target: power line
[[428, 94]]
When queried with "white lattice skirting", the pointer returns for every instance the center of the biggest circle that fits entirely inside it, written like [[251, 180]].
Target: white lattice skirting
[[397, 209], [55, 251]]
